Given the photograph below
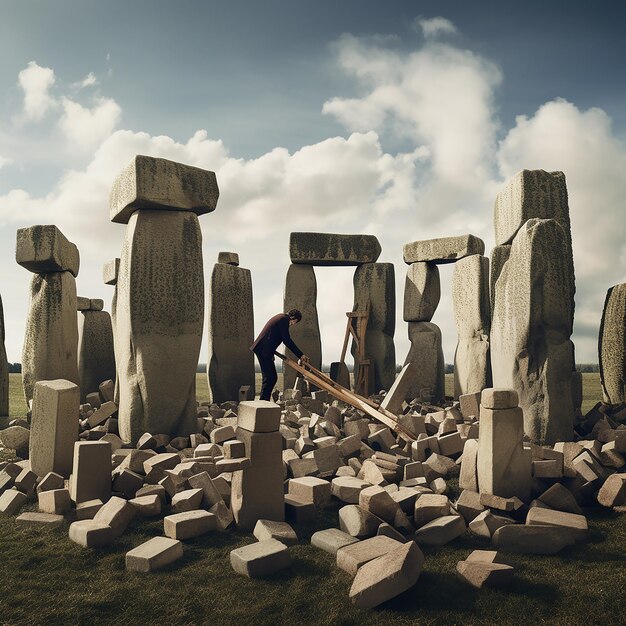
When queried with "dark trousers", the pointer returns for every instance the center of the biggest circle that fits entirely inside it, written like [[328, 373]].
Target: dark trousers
[[268, 371]]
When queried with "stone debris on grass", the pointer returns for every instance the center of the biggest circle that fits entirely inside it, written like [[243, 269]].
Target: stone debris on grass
[[154, 554], [189, 524], [270, 529], [260, 559], [331, 540], [351, 557]]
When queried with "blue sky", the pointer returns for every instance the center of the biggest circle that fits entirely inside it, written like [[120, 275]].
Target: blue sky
[[398, 118]]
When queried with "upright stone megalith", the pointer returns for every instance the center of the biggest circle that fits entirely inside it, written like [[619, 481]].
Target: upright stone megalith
[[51, 338], [96, 356], [374, 285], [160, 293], [4, 369], [612, 345], [472, 314], [301, 294], [231, 330], [531, 350], [110, 272]]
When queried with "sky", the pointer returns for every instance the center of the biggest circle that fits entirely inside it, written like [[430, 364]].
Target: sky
[[401, 119]]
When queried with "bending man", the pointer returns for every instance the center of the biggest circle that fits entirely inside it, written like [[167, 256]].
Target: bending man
[[275, 332]]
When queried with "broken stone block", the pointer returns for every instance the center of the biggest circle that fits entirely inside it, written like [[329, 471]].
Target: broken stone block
[[426, 353], [26, 481], [117, 513], [347, 489], [269, 529], [91, 477], [429, 507], [422, 291], [91, 534], [154, 554], [230, 363], [532, 539], [469, 404], [45, 249], [56, 501], [298, 510], [102, 414], [260, 559], [612, 345], [441, 530], [188, 500], [531, 350], [147, 506], [331, 540], [358, 522], [469, 506], [16, 438], [54, 426], [374, 285], [328, 249], [498, 398], [575, 525], [387, 576], [486, 523], [189, 524], [50, 481], [481, 574], [472, 314], [379, 502], [39, 520], [351, 557], [223, 515], [234, 449], [442, 250], [613, 491], [397, 394], [11, 501], [311, 489], [127, 483]]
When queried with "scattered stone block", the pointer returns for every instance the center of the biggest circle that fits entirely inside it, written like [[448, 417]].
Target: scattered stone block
[[234, 449], [347, 489], [223, 516], [39, 520], [469, 506], [189, 524], [486, 523], [15, 438], [532, 539], [351, 557], [260, 559], [56, 501], [331, 540], [269, 529], [481, 574], [26, 481], [258, 416], [11, 501], [116, 513], [91, 477], [468, 478], [560, 498], [91, 534], [576, 525], [298, 510], [613, 491], [358, 522], [154, 554], [87, 510], [147, 506], [440, 531], [311, 489], [102, 414], [188, 500], [379, 502]]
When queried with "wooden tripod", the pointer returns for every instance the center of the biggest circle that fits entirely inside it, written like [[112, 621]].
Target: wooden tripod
[[356, 328]]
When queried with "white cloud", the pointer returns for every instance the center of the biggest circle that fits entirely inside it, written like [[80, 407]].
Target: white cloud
[[434, 26], [85, 128], [36, 82], [89, 81], [4, 161]]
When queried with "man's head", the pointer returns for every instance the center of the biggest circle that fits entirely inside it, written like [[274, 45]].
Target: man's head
[[294, 316]]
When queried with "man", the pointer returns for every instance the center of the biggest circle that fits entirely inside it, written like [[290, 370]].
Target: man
[[275, 332]]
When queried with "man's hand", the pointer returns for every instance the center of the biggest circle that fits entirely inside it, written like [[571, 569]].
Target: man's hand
[[304, 359]]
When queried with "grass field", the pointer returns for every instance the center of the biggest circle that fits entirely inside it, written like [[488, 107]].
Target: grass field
[[44, 579]]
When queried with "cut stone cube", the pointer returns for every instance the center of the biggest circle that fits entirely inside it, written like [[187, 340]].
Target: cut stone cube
[[234, 449], [347, 489], [299, 510], [127, 483], [429, 507], [269, 529], [50, 481], [42, 249], [377, 500], [494, 398], [154, 554], [221, 434], [311, 489], [258, 416], [56, 501], [358, 522], [188, 500], [613, 492], [469, 506], [11, 501], [351, 557], [189, 524], [560, 498], [147, 506], [210, 493], [91, 534], [223, 515], [260, 559], [26, 481], [91, 477], [331, 540]]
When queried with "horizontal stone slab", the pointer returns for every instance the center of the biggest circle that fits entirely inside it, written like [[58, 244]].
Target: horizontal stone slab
[[229, 258], [44, 248], [151, 183], [443, 250], [327, 249]]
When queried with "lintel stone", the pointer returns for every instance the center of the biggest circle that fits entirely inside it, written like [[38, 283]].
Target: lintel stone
[[44, 248], [327, 249]]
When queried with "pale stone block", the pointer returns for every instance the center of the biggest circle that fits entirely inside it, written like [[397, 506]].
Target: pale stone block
[[188, 500], [429, 507], [96, 355], [469, 506], [223, 515], [260, 559], [443, 250], [347, 488], [39, 520], [613, 491], [576, 525], [26, 481], [422, 292], [258, 416], [351, 557], [379, 502], [91, 477], [55, 501], [43, 249], [479, 574], [189, 524], [269, 529], [397, 394], [50, 481], [468, 478], [11, 501], [147, 506], [87, 510], [210, 493], [560, 498], [532, 539], [357, 522], [154, 554], [117, 513], [331, 540], [54, 426], [441, 530], [333, 249], [311, 489], [426, 353], [110, 272], [492, 398], [91, 534]]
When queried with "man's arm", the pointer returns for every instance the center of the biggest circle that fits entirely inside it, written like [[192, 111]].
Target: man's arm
[[288, 341]]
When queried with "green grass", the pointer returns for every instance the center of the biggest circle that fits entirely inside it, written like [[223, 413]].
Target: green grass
[[45, 578]]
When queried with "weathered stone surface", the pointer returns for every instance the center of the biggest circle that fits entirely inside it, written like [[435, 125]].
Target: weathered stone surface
[[560, 498], [159, 320], [260, 559], [54, 426], [443, 250], [55, 501], [117, 513], [532, 539], [110, 271], [332, 249], [374, 284], [472, 314], [91, 534], [441, 530], [39, 520], [51, 338], [331, 540], [613, 491], [311, 489], [612, 345], [301, 293], [427, 355], [153, 183], [358, 522], [230, 317], [486, 523], [531, 350], [480, 574], [429, 507], [575, 524], [504, 467], [269, 529], [96, 354], [350, 558], [230, 258], [387, 576], [4, 368], [43, 249], [15, 438], [188, 524], [422, 291], [154, 554], [258, 416], [91, 477], [499, 256], [348, 488], [11, 501], [498, 398], [468, 478], [530, 194]]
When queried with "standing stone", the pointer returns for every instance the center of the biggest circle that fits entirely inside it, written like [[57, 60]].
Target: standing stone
[[54, 426], [612, 345], [231, 332], [531, 350], [257, 491], [531, 194], [426, 354], [443, 250], [472, 314], [51, 338], [301, 294], [374, 284], [96, 355], [333, 250], [160, 297], [499, 256], [504, 467], [110, 272], [4, 369], [422, 291]]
